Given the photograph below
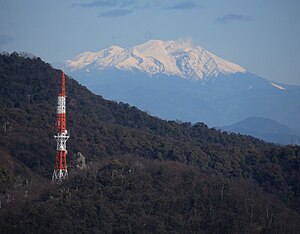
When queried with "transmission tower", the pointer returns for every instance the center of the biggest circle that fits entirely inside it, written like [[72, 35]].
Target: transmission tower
[[60, 170]]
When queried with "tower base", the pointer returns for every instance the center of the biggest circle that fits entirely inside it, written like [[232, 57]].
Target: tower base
[[59, 175]]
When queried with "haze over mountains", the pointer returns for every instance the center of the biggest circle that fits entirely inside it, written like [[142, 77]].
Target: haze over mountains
[[264, 129], [180, 81]]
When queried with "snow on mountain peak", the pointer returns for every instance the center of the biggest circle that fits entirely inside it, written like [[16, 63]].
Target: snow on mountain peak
[[180, 58], [277, 86]]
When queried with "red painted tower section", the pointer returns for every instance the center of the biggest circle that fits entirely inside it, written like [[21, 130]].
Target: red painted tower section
[[60, 170]]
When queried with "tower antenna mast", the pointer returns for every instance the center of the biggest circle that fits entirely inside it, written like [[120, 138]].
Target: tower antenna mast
[[60, 171]]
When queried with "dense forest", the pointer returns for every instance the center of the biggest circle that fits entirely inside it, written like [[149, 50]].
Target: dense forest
[[142, 174]]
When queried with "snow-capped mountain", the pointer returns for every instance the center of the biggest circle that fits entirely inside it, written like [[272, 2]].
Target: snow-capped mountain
[[157, 76], [158, 57]]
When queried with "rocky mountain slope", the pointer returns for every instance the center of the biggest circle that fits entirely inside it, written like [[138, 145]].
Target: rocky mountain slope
[[158, 57]]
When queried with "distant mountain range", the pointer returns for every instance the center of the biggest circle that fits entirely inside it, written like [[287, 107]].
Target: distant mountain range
[[158, 57], [265, 129], [179, 81]]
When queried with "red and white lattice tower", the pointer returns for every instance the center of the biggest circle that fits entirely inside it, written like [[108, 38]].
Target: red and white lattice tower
[[60, 171]]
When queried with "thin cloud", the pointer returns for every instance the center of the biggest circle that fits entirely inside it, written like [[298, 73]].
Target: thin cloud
[[106, 3], [127, 3], [183, 6], [234, 18], [4, 39], [101, 3], [184, 42], [115, 13]]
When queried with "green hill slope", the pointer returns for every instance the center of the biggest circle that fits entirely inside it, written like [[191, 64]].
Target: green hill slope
[[238, 167]]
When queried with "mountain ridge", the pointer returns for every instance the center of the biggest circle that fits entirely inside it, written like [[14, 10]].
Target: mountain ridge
[[214, 91], [156, 56], [217, 102], [143, 174], [264, 129]]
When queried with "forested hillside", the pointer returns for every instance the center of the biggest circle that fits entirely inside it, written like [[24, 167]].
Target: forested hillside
[[143, 174]]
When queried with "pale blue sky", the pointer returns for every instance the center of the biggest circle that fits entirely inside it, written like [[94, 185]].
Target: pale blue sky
[[261, 35]]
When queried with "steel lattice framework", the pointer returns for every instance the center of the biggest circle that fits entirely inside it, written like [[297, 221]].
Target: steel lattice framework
[[60, 170]]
